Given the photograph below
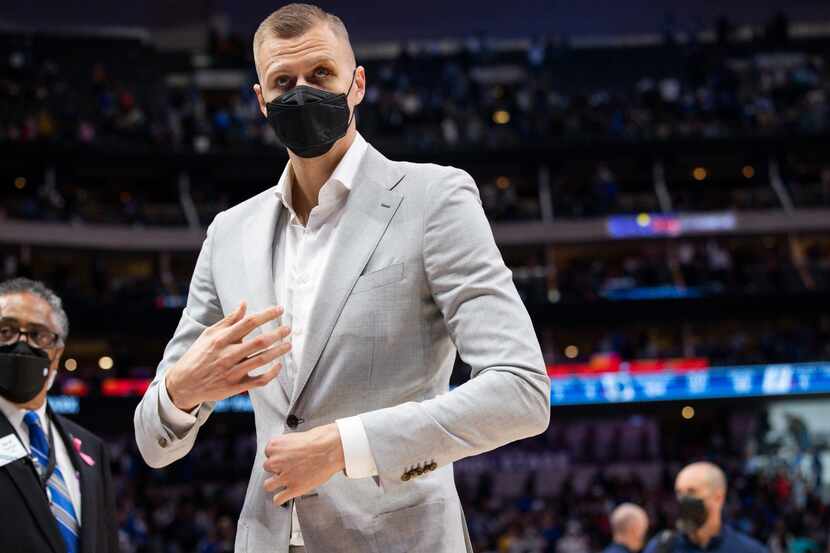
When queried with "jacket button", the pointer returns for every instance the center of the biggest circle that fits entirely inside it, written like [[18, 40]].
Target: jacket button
[[163, 442], [406, 476], [292, 421]]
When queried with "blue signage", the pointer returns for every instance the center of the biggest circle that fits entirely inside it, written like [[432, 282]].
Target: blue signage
[[65, 405], [652, 225], [715, 382]]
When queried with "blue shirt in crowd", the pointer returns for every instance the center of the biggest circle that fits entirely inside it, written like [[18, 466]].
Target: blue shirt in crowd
[[728, 541], [616, 548]]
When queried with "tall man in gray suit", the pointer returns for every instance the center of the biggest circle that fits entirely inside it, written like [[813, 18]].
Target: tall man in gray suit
[[381, 270]]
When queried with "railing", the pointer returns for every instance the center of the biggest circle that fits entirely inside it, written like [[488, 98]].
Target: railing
[[593, 230]]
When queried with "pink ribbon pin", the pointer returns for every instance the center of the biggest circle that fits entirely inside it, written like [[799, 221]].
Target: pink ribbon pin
[[87, 459]]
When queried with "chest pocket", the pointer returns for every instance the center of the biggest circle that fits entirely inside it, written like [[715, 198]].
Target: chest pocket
[[381, 277]]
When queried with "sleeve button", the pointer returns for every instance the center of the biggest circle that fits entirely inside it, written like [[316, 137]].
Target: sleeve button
[[406, 476], [163, 442]]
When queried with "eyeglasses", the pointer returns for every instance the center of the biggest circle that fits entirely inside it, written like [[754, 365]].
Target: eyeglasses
[[36, 335]]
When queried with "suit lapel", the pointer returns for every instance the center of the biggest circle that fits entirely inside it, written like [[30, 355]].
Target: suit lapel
[[25, 477], [259, 246], [89, 488], [370, 207]]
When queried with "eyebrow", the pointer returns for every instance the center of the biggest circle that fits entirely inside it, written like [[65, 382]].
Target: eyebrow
[[314, 63], [27, 324]]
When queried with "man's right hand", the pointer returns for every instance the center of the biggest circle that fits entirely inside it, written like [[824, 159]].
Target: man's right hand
[[217, 364]]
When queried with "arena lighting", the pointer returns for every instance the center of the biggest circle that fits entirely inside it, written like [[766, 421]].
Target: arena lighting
[[699, 173], [643, 220], [501, 117], [554, 296], [687, 412], [70, 364], [20, 183], [748, 171], [503, 183], [124, 387], [105, 363], [571, 352], [74, 387]]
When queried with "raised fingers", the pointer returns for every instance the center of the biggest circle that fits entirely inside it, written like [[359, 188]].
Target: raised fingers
[[232, 318], [248, 364], [258, 344], [245, 325], [251, 382]]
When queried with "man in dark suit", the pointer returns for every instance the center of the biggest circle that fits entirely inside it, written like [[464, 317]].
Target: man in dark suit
[[56, 492]]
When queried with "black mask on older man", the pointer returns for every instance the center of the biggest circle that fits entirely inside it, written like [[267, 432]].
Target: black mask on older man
[[309, 120], [691, 514], [23, 371]]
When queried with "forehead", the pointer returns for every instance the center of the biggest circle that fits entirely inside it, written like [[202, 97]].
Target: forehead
[[690, 479], [283, 54], [27, 309]]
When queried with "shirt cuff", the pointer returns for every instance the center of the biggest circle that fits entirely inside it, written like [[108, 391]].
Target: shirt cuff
[[171, 416], [356, 452]]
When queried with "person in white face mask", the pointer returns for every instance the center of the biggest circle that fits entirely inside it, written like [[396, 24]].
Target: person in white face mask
[[56, 490]]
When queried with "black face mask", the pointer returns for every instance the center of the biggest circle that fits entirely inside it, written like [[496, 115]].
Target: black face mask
[[309, 120], [691, 514], [23, 371]]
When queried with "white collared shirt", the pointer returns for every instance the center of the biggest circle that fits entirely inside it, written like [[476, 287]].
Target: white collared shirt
[[301, 254], [64, 463]]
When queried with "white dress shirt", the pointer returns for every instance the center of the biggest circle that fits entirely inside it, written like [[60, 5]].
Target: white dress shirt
[[63, 462], [302, 252]]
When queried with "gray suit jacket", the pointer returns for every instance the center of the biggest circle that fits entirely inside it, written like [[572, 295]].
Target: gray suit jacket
[[414, 275]]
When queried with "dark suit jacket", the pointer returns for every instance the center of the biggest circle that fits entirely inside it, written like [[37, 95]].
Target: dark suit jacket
[[26, 523]]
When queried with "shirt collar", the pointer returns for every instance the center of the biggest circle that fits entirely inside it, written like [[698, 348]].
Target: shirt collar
[[341, 180], [15, 414]]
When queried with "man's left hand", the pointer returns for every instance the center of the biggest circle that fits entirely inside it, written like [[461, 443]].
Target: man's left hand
[[301, 461]]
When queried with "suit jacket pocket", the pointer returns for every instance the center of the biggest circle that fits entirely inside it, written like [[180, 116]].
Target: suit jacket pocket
[[417, 529], [381, 277]]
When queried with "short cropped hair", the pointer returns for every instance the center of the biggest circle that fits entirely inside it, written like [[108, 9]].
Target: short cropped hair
[[293, 20], [624, 517], [22, 285]]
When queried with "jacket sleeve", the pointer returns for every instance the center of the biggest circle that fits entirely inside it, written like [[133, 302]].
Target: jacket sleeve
[[158, 443], [508, 396]]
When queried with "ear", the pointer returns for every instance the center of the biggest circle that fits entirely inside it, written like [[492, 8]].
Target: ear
[[720, 496], [56, 359], [359, 85], [261, 99]]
